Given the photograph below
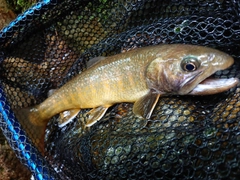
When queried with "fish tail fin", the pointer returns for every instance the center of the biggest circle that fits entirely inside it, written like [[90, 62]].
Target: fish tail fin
[[34, 126]]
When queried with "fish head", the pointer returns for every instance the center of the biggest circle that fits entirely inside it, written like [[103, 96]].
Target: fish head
[[180, 69]]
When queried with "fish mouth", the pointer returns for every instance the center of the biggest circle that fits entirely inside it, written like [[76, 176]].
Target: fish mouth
[[213, 86]]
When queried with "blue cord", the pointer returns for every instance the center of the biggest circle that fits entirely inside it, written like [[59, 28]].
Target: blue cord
[[18, 140], [12, 30], [22, 17]]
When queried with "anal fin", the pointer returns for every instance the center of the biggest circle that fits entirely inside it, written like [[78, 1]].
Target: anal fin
[[67, 116], [95, 115], [145, 105]]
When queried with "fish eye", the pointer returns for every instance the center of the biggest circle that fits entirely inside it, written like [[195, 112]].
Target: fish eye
[[190, 64]]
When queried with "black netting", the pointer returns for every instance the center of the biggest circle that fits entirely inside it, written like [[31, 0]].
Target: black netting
[[186, 138]]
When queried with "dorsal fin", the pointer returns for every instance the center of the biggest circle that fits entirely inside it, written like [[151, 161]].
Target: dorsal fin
[[95, 60], [51, 92]]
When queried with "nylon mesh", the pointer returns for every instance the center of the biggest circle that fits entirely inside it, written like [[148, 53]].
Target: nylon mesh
[[186, 138]]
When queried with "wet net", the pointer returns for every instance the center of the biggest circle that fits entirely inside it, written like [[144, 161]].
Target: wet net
[[186, 138]]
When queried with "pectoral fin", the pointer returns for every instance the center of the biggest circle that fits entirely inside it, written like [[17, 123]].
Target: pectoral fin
[[67, 116], [95, 115], [145, 105]]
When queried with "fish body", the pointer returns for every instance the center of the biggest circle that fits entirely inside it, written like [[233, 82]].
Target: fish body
[[139, 76], [115, 79]]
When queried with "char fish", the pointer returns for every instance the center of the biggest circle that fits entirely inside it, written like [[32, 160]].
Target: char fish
[[139, 76]]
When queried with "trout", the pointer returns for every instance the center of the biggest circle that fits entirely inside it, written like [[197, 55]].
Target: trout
[[138, 76]]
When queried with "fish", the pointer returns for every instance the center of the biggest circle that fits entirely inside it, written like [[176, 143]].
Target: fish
[[140, 76]]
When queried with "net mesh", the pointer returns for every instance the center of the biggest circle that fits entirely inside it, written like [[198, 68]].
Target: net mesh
[[186, 138]]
